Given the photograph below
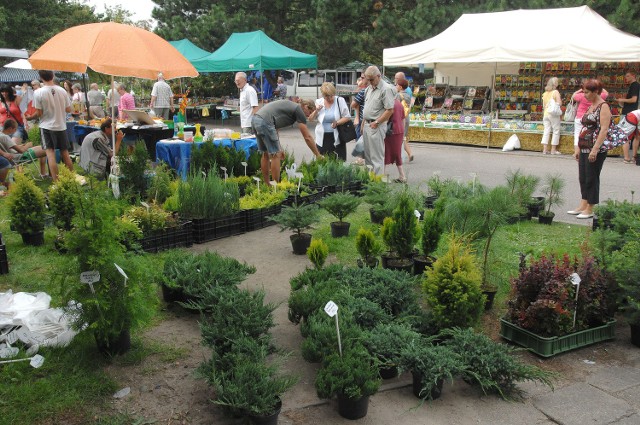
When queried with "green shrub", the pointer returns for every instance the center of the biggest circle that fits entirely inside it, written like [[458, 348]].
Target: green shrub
[[367, 245], [132, 168], [26, 205], [148, 220], [63, 198], [160, 187], [492, 365], [452, 287], [431, 232], [352, 375], [317, 253], [340, 205], [405, 225], [207, 197], [297, 217], [386, 341]]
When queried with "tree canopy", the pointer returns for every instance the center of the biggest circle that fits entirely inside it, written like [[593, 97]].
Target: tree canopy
[[338, 31]]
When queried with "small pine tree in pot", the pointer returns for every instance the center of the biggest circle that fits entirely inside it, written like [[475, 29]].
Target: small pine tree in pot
[[297, 218], [368, 248], [340, 205], [403, 232], [26, 208], [431, 231]]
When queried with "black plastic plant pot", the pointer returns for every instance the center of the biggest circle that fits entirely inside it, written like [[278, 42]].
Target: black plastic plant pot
[[300, 243], [340, 229], [401, 264], [33, 239], [418, 385], [546, 219], [353, 409], [270, 419], [116, 345], [389, 372]]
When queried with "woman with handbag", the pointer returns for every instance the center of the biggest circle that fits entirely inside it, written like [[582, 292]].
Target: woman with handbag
[[10, 108], [592, 154], [551, 103], [331, 111], [583, 104]]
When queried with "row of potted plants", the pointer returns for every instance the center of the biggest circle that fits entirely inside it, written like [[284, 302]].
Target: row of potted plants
[[235, 324]]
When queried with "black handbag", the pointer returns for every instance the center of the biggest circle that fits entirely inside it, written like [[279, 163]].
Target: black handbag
[[346, 132]]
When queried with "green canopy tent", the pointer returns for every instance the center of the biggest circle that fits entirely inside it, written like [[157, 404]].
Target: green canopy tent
[[254, 51], [189, 50]]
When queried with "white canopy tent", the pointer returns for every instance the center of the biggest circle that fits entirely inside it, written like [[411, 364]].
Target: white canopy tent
[[477, 46]]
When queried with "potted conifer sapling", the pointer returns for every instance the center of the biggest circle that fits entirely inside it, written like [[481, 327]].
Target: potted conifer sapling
[[554, 184], [297, 217], [340, 205]]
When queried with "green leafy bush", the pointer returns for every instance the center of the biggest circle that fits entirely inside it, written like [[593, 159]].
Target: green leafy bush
[[297, 217], [148, 220], [367, 245], [160, 187], [386, 341], [133, 167], [405, 225], [351, 375]]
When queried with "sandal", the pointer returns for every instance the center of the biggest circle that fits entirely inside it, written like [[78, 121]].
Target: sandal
[[399, 180], [628, 161]]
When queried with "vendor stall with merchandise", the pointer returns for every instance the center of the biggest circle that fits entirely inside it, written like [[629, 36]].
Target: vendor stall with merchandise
[[489, 87]]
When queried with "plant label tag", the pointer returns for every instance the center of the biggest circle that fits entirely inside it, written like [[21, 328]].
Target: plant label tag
[[244, 164], [331, 308], [122, 273], [144, 204], [417, 214], [223, 169], [36, 361], [274, 184], [575, 279], [90, 277]]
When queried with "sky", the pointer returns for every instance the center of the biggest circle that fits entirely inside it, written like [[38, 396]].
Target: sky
[[141, 9]]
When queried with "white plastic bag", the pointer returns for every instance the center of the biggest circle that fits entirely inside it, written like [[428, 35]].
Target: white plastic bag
[[512, 143]]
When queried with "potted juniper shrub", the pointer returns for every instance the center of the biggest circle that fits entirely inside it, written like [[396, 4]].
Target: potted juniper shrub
[[543, 314], [63, 199], [317, 253], [430, 235], [521, 187], [403, 233], [385, 343], [297, 217], [246, 382], [624, 266], [352, 378], [436, 186], [430, 365], [490, 365], [26, 209], [340, 205], [554, 184], [368, 248]]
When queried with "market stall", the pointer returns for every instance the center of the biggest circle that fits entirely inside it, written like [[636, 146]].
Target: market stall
[[490, 73]]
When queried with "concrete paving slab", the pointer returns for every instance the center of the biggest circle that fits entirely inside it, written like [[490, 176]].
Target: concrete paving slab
[[581, 404], [615, 379], [632, 396], [628, 420]]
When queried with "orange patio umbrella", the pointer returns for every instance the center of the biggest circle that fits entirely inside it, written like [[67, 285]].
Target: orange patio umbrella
[[113, 49]]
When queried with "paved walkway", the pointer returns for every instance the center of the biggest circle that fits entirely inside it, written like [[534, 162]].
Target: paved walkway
[[599, 384]]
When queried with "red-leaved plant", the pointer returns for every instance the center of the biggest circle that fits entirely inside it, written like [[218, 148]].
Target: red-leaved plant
[[543, 298]]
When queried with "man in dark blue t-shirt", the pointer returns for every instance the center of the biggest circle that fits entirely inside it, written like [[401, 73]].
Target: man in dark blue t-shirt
[[630, 102]]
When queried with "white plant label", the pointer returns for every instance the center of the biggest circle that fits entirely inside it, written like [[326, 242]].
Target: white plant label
[[331, 308], [257, 179], [36, 361], [144, 204], [274, 184], [89, 277], [122, 273], [417, 214], [575, 279], [244, 164]]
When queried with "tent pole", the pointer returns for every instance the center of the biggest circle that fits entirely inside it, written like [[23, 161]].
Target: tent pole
[[114, 121], [317, 88], [493, 88]]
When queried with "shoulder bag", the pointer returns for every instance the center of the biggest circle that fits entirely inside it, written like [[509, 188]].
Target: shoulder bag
[[553, 108], [615, 137], [570, 112], [346, 131]]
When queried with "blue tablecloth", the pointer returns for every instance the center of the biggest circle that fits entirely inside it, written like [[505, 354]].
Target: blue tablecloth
[[178, 154]]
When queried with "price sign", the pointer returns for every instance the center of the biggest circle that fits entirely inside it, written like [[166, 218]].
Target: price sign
[[331, 308], [90, 277]]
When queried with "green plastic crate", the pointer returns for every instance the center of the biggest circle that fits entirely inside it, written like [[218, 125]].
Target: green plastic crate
[[547, 347]]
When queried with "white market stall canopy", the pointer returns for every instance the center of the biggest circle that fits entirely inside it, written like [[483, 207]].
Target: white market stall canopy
[[475, 44]]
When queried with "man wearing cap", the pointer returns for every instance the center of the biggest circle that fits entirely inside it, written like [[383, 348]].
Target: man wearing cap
[[162, 98], [248, 102]]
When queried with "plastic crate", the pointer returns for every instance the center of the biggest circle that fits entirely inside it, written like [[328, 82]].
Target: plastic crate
[[547, 347], [203, 230], [173, 237], [230, 225]]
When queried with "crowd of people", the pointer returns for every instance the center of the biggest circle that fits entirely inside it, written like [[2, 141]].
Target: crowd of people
[[381, 122]]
